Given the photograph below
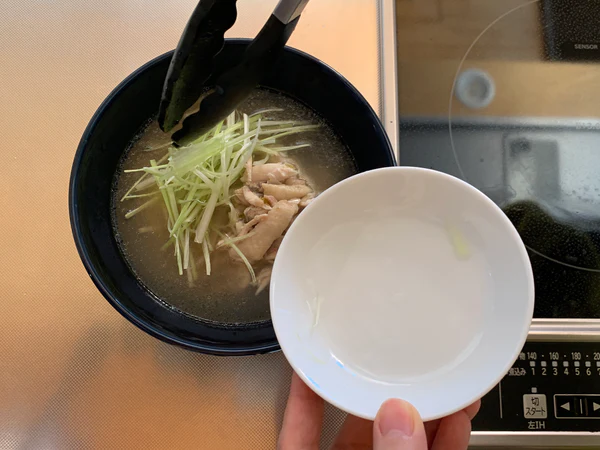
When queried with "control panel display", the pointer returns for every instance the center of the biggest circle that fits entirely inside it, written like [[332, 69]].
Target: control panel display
[[553, 386]]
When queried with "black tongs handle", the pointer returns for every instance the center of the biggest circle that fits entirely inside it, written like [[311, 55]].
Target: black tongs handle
[[193, 61], [235, 84], [288, 10]]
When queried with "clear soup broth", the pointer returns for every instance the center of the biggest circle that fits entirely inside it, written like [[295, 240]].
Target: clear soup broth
[[226, 295]]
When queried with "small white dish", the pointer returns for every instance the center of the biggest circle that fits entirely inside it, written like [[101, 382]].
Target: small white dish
[[402, 283]]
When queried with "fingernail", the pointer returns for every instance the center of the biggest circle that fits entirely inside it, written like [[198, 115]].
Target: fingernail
[[397, 417]]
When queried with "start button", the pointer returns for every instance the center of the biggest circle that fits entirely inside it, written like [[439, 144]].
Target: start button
[[534, 406]]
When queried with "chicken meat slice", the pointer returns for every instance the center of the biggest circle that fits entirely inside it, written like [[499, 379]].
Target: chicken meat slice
[[272, 172], [263, 278], [306, 200], [267, 231], [247, 178], [252, 211], [272, 252], [253, 199], [238, 226], [285, 192], [246, 228], [239, 195], [295, 181], [270, 200]]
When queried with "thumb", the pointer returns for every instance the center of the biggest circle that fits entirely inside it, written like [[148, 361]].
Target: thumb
[[398, 426]]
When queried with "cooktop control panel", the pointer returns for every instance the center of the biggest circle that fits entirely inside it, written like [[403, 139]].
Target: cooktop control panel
[[553, 386]]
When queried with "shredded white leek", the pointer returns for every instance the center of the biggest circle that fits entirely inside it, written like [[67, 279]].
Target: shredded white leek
[[143, 206], [206, 252], [241, 255], [193, 181], [228, 242], [459, 243]]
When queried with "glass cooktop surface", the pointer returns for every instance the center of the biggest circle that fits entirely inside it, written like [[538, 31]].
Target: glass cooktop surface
[[505, 97]]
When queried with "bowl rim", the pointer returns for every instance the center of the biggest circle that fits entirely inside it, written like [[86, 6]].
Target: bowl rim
[[513, 233], [90, 267]]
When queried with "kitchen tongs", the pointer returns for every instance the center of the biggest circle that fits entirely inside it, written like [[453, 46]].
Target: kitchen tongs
[[193, 64]]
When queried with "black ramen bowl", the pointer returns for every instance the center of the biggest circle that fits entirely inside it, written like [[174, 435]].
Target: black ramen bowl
[[109, 133]]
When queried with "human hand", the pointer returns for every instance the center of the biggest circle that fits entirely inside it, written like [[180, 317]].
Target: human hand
[[398, 426]]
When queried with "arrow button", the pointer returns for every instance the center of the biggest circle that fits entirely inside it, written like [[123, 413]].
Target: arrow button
[[567, 406], [593, 406], [577, 406]]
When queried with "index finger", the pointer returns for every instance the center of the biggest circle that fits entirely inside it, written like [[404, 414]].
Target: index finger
[[301, 429]]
